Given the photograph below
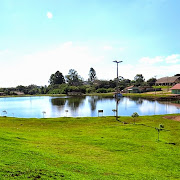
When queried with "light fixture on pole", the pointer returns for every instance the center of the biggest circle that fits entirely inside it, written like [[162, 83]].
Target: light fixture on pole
[[155, 83], [117, 89], [117, 62]]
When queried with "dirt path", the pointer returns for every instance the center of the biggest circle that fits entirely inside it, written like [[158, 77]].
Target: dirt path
[[175, 118]]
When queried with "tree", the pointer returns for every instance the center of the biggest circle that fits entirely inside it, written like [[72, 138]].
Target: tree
[[151, 81], [92, 75], [135, 115], [33, 89], [21, 88], [56, 78], [123, 83], [73, 79], [139, 79]]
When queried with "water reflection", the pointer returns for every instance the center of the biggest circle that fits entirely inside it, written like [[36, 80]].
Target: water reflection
[[58, 101], [75, 102], [93, 102], [82, 106], [138, 101]]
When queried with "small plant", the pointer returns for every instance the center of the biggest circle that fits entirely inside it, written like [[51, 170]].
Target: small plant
[[4, 113], [114, 110], [161, 127], [44, 112], [134, 116], [66, 112]]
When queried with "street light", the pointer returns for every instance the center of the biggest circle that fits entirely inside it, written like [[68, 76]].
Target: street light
[[117, 90], [167, 84], [117, 62], [155, 83]]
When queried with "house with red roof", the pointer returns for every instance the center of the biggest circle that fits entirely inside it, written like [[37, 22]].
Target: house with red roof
[[175, 89]]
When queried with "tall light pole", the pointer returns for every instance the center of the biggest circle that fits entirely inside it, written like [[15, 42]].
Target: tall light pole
[[117, 62], [155, 83], [117, 89], [167, 84]]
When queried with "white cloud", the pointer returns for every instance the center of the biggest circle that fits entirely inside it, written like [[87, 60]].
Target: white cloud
[[49, 15], [107, 48], [149, 67], [39, 66], [121, 49], [148, 71], [36, 68], [174, 58], [4, 52], [148, 60]]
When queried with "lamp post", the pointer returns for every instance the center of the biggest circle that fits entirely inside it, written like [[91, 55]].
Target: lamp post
[[117, 89], [155, 83], [117, 62], [167, 84]]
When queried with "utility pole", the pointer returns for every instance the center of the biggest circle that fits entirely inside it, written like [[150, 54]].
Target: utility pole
[[117, 89], [167, 84], [155, 83]]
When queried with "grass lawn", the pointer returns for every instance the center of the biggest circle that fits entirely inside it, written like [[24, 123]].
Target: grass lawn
[[89, 148]]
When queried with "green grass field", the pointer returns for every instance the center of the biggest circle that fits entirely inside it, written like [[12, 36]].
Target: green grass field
[[89, 148]]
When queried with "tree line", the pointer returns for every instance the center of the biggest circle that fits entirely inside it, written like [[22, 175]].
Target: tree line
[[73, 82]]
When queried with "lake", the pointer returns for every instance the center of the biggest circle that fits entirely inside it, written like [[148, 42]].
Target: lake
[[47, 106]]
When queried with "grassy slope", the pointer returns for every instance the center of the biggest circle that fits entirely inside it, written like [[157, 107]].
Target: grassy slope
[[89, 148]]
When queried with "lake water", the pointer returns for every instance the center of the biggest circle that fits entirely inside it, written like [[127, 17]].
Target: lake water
[[29, 107]]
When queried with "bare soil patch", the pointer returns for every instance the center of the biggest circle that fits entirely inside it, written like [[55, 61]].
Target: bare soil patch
[[175, 118]]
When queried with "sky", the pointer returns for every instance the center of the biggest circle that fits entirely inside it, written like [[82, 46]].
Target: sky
[[38, 38]]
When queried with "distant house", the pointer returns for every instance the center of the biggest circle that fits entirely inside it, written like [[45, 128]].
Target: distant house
[[2, 94], [74, 93], [17, 93], [168, 81], [132, 89], [175, 89], [135, 89]]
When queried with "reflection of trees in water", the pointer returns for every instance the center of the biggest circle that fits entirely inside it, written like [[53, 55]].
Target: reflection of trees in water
[[93, 102], [176, 102], [58, 101], [72, 102], [75, 102], [137, 100], [94, 99], [121, 99]]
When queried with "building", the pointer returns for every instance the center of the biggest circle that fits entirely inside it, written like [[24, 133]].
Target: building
[[131, 89], [168, 81], [74, 93], [2, 94], [176, 89], [135, 89]]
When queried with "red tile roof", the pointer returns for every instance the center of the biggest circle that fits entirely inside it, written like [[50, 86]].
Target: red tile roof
[[177, 86]]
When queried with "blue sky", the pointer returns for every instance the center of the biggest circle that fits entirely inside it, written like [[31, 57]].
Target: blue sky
[[37, 38]]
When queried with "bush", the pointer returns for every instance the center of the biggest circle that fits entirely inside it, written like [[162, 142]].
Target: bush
[[110, 90], [101, 90], [90, 89]]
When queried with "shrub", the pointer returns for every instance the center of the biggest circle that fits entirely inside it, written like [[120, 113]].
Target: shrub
[[101, 90]]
